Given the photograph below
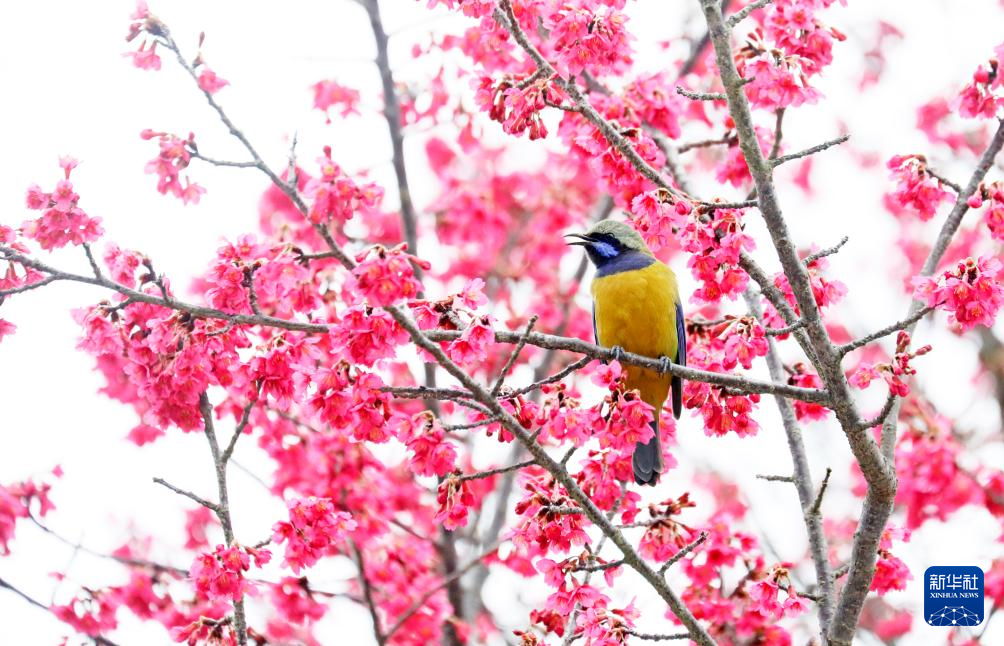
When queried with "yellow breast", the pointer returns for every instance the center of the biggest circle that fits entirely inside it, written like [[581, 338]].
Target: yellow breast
[[636, 310]]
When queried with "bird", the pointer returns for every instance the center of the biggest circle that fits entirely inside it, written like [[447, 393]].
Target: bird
[[636, 308]]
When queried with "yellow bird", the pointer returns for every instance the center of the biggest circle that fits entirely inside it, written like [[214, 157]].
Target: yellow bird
[[636, 308]]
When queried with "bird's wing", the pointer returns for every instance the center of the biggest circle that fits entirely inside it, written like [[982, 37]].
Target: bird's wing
[[680, 360]]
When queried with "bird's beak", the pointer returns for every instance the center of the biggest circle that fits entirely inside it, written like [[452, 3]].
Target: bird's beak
[[583, 239]]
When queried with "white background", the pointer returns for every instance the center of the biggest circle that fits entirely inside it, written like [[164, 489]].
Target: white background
[[68, 90]]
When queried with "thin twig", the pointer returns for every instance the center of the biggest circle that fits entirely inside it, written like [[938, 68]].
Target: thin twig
[[494, 472], [740, 15], [701, 96], [829, 251], [687, 549], [810, 151], [513, 355], [188, 494]]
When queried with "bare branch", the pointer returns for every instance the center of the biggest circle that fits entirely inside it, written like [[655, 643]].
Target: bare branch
[[686, 549], [701, 96], [810, 151], [494, 472], [829, 251], [772, 478], [364, 581], [652, 637], [728, 138], [904, 324], [740, 15], [188, 494], [514, 355], [822, 490]]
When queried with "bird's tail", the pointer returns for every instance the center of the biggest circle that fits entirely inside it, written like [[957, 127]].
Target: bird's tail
[[647, 460]]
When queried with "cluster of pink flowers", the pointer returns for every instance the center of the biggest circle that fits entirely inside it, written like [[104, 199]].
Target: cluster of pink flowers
[[62, 221], [931, 482], [894, 371], [665, 535], [315, 529], [455, 498], [721, 412], [350, 400], [329, 93], [745, 339], [334, 196], [891, 572], [174, 156], [764, 594], [971, 292], [715, 244], [542, 524], [476, 339], [15, 503], [590, 36], [517, 104], [271, 271], [994, 215], [385, 276], [429, 452], [917, 190], [144, 22], [778, 80], [658, 217], [983, 96], [219, 575]]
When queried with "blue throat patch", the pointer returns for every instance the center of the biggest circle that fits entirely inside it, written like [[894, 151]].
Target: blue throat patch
[[620, 262]]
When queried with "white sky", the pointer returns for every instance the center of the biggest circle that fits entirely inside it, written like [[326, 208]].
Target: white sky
[[69, 91]]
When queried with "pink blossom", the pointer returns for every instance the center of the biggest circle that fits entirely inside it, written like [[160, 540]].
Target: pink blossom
[[314, 530], [210, 82], [455, 498], [220, 575], [971, 292], [328, 94], [386, 276], [335, 196], [916, 189], [63, 221]]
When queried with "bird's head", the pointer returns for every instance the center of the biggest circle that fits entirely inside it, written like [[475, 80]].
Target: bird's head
[[608, 240]]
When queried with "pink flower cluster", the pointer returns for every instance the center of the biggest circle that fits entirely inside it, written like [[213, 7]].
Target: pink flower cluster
[[328, 94], [15, 503], [588, 35], [721, 412], [764, 595], [891, 572], [334, 196], [455, 498], [429, 452], [971, 292], [665, 535], [716, 242], [385, 276], [983, 96], [994, 215], [349, 400], [174, 156], [917, 190], [517, 104], [62, 222], [542, 525], [744, 340], [894, 371], [314, 530], [144, 22], [219, 575]]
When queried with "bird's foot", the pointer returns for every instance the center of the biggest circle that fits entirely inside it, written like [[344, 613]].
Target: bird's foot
[[616, 353], [664, 364]]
